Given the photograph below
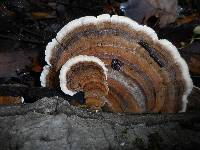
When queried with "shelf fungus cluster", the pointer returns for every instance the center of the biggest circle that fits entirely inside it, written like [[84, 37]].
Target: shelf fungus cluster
[[120, 66]]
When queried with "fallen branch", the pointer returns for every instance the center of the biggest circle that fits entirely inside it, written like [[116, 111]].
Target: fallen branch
[[30, 94], [51, 123]]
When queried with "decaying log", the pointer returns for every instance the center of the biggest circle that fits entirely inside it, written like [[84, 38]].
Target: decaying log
[[35, 93], [30, 94], [51, 123], [11, 100]]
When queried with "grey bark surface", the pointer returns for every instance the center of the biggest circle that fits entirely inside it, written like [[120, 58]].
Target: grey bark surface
[[51, 123]]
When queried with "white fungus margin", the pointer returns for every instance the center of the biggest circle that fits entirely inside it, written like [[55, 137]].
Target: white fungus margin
[[184, 70], [44, 74], [71, 26], [67, 66]]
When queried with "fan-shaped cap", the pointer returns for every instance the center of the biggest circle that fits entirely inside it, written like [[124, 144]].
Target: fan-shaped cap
[[144, 73]]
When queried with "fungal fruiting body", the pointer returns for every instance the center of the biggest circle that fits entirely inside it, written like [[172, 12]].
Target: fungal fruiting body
[[118, 64]]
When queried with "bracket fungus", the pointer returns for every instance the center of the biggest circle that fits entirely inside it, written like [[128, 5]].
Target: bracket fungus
[[118, 64]]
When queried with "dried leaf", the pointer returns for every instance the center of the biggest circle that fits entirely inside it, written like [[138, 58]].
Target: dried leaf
[[42, 15], [143, 10], [5, 100], [186, 19]]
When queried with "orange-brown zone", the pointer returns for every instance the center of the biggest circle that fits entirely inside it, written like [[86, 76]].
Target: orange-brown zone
[[83, 73], [90, 78], [162, 86]]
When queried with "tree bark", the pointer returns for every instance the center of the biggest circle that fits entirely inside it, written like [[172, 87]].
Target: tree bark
[[51, 123]]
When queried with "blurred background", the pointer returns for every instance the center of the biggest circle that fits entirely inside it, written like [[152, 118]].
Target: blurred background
[[26, 26]]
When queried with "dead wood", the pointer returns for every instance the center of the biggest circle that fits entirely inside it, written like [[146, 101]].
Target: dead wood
[[51, 123]]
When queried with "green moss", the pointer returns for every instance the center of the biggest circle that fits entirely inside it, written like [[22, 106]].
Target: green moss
[[125, 131], [155, 141], [83, 106], [139, 143]]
